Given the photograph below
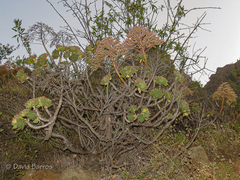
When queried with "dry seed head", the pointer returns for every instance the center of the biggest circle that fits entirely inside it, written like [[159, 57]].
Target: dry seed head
[[142, 38], [109, 48], [225, 91]]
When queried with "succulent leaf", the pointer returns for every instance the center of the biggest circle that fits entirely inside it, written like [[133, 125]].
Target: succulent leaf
[[55, 54], [145, 113], [184, 107], [32, 115], [132, 109], [30, 103], [65, 63], [168, 95], [104, 80], [73, 57], [142, 86], [156, 93], [45, 102], [24, 112], [140, 57], [21, 76], [43, 56], [140, 118], [31, 59], [37, 120], [74, 49], [61, 48], [66, 54], [38, 102], [127, 71], [42, 62], [161, 80], [18, 122], [131, 117], [179, 76]]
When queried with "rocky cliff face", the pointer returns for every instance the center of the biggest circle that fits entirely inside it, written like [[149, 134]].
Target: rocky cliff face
[[229, 73]]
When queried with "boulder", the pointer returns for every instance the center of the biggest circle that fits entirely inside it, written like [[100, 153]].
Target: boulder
[[198, 157]]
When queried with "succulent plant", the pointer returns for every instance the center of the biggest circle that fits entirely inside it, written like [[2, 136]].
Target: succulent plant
[[18, 121], [142, 86], [145, 112], [140, 118], [144, 115], [75, 49], [44, 102], [42, 60], [22, 76], [66, 54], [74, 57], [156, 93], [132, 109], [131, 114], [184, 107], [61, 48], [31, 60], [64, 63], [55, 54], [168, 95], [36, 120], [179, 76], [161, 80], [104, 80], [38, 102], [31, 114], [43, 56], [140, 57], [127, 71], [131, 117]]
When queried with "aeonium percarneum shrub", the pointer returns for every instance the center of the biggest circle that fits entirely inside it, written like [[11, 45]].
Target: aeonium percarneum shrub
[[112, 115]]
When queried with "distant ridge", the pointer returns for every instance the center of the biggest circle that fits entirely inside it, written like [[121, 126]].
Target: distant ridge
[[229, 73]]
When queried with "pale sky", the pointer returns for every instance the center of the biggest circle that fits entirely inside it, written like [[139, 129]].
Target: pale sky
[[223, 42]]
